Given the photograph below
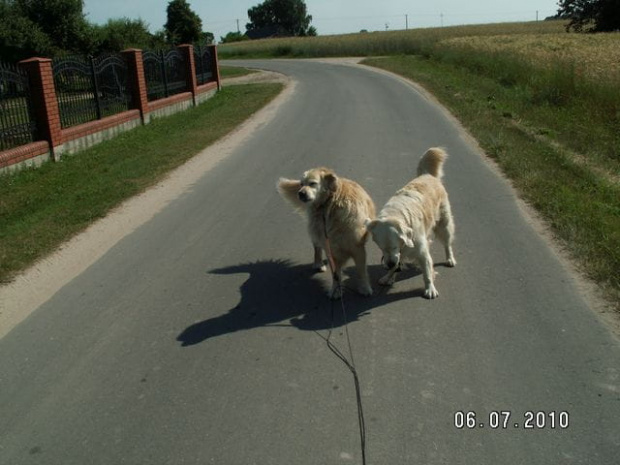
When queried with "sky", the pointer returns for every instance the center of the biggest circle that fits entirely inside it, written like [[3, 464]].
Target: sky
[[334, 16]]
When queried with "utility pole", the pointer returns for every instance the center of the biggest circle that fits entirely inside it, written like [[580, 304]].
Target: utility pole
[[441, 16], [406, 22], [238, 30], [536, 15]]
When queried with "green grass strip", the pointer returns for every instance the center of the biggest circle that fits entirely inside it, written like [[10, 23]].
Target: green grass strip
[[41, 208]]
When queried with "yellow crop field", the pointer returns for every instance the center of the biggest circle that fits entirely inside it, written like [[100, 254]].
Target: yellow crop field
[[594, 56], [380, 43]]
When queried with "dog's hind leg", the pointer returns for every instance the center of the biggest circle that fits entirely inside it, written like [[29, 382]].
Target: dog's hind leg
[[363, 286], [445, 232], [318, 260]]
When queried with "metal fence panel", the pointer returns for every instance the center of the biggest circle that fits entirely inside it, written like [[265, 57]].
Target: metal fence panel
[[73, 79], [17, 124], [112, 93], [203, 64], [153, 75], [90, 88], [164, 73]]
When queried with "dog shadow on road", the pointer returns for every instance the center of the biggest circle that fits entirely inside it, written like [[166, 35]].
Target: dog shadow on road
[[279, 293]]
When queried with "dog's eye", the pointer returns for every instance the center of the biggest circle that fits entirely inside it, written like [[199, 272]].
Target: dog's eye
[[313, 184]]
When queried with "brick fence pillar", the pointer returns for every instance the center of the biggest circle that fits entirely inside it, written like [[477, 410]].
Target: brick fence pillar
[[137, 82], [44, 101], [216, 66], [190, 69]]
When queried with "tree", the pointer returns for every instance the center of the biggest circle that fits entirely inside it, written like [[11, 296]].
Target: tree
[[591, 15], [158, 40], [20, 38], [286, 17], [119, 34], [233, 37], [183, 25], [63, 21], [207, 38], [41, 27]]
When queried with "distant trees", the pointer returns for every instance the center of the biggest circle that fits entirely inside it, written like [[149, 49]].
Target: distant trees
[[63, 21], [591, 15], [41, 27], [20, 37], [119, 34], [206, 38], [183, 25], [48, 28], [285, 17], [233, 37]]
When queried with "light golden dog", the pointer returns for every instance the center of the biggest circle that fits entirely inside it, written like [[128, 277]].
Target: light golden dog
[[336, 209], [405, 224]]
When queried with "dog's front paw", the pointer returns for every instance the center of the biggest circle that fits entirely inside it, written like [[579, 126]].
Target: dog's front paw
[[387, 280], [451, 262], [365, 289], [430, 292], [319, 267]]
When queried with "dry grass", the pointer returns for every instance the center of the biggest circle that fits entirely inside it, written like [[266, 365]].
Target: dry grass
[[594, 56]]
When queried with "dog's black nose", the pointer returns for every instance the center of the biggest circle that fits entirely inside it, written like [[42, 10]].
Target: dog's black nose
[[302, 196], [391, 264]]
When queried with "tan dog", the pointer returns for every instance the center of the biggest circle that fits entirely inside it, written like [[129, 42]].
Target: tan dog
[[406, 223], [336, 208]]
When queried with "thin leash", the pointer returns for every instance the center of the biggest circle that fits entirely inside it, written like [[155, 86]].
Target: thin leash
[[349, 362]]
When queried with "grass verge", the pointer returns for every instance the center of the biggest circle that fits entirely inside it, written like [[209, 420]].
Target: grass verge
[[41, 208], [233, 72], [579, 199]]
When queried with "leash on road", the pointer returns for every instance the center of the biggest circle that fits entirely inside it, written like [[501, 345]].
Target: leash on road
[[349, 362]]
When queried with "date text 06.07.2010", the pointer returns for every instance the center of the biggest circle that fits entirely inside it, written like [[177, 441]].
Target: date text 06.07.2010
[[505, 419]]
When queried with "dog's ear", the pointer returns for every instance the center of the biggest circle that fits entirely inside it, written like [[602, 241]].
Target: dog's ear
[[331, 181], [406, 235], [288, 189], [285, 186]]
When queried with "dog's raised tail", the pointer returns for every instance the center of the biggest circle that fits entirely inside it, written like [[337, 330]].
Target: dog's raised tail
[[432, 162]]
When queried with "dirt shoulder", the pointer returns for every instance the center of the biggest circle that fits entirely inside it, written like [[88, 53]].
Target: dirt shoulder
[[258, 77]]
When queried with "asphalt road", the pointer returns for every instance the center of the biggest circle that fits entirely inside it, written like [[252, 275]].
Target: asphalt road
[[200, 337]]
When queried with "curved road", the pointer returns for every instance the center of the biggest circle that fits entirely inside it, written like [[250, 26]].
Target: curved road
[[200, 337]]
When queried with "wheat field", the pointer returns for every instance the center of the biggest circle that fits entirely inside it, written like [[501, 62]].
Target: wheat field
[[593, 56], [379, 43]]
